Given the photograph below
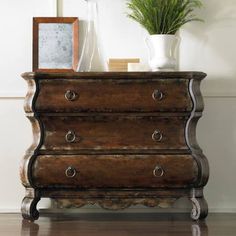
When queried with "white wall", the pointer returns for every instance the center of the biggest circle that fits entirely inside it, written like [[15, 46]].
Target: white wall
[[208, 47], [15, 40]]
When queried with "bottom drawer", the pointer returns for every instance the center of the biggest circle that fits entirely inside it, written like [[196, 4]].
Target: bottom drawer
[[115, 171]]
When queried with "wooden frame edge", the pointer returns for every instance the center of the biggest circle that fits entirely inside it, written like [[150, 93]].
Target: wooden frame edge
[[75, 42]]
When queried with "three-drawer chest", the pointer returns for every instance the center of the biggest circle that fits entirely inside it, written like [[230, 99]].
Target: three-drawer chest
[[114, 139]]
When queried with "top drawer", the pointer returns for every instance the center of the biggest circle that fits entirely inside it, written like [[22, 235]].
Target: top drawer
[[108, 95]]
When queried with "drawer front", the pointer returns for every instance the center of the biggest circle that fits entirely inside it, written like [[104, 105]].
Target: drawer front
[[113, 133], [129, 171], [65, 95]]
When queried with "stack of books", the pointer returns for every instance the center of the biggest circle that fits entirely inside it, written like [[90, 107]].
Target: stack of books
[[121, 64]]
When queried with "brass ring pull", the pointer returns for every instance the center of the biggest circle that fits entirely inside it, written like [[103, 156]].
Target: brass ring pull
[[70, 95], [157, 136], [157, 95], [70, 137], [158, 172], [70, 172]]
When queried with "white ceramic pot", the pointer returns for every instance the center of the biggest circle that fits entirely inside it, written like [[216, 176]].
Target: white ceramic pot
[[162, 49]]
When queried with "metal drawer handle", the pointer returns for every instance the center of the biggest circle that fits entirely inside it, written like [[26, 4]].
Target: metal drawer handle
[[157, 95], [70, 137], [158, 172], [70, 172], [157, 136], [71, 95]]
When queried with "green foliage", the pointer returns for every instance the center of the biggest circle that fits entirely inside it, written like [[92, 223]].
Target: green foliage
[[163, 16]]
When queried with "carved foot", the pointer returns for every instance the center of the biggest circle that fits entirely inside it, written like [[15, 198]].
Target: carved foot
[[28, 206], [200, 207]]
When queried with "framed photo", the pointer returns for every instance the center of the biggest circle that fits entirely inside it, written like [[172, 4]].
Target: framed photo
[[55, 44]]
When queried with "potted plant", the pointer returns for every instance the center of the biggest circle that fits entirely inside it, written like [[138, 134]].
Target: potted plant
[[162, 19]]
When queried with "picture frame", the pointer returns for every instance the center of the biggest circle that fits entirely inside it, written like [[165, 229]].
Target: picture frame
[[55, 44]]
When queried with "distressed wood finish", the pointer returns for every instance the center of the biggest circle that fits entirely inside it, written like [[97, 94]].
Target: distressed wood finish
[[129, 171], [190, 131], [100, 133], [29, 203], [110, 95], [111, 153], [117, 204]]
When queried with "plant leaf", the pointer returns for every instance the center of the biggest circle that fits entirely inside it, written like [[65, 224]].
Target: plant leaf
[[163, 16]]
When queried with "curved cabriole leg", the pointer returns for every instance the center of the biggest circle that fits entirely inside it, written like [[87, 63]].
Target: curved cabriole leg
[[28, 206], [200, 207]]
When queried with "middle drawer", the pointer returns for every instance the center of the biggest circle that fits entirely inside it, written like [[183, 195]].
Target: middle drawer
[[112, 133]]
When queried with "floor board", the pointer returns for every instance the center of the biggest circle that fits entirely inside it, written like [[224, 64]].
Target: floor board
[[118, 225]]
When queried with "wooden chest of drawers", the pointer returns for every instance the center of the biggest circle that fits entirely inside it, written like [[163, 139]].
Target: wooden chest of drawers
[[115, 139]]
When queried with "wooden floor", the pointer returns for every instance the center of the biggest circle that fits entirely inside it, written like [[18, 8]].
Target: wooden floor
[[118, 225]]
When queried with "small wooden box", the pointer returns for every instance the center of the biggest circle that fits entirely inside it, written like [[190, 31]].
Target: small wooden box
[[121, 64]]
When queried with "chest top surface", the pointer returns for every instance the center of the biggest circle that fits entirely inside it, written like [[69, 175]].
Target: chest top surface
[[117, 75], [113, 91]]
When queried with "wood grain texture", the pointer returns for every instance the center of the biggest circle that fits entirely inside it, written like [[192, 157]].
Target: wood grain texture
[[118, 224], [113, 95], [113, 157], [141, 193], [116, 204], [130, 171], [113, 133], [118, 75]]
